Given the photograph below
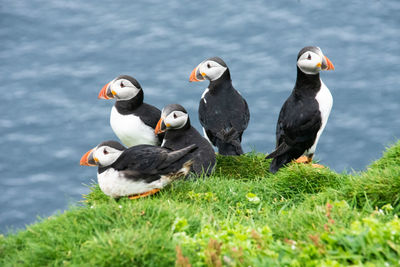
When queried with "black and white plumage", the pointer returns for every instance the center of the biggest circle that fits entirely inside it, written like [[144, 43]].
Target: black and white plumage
[[305, 113], [223, 112], [138, 169], [132, 120], [179, 133]]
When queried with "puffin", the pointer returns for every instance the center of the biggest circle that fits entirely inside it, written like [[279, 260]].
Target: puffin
[[132, 120], [304, 114], [138, 171], [223, 112], [175, 122]]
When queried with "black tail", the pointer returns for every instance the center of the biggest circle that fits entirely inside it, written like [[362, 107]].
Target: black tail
[[280, 150], [177, 155], [229, 149], [280, 157], [278, 163], [229, 142]]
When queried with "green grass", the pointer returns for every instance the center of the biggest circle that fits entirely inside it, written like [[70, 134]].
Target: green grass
[[242, 215]]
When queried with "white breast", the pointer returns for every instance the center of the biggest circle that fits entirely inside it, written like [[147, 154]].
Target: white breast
[[131, 130], [205, 135], [325, 101], [205, 102], [163, 142], [113, 184], [204, 94]]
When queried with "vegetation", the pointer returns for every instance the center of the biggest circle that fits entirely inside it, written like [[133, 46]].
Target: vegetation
[[241, 216]]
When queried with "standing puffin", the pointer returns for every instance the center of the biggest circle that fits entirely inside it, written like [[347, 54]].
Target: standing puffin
[[131, 120], [223, 112], [305, 113], [138, 171], [179, 133]]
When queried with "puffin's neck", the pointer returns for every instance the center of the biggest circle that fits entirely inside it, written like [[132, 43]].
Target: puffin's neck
[[129, 105], [102, 169], [222, 82], [307, 84], [172, 134]]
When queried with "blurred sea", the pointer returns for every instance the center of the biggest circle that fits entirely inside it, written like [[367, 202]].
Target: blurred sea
[[56, 56]]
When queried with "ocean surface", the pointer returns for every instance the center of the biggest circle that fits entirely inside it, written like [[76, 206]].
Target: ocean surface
[[55, 56]]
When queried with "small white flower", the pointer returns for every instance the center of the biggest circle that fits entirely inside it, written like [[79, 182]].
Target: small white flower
[[120, 206], [92, 207]]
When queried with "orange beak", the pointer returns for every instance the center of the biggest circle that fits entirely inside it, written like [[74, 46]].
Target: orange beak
[[192, 77], [329, 63], [103, 92], [158, 129], [87, 159]]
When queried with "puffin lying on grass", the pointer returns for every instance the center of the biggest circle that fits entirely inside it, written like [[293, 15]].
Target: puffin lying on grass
[[223, 112], [179, 133], [304, 115], [132, 120], [138, 171]]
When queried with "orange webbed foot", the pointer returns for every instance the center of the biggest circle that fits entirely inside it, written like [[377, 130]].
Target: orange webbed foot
[[308, 160], [145, 194], [303, 159]]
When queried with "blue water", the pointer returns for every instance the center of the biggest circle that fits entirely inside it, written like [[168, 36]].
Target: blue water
[[56, 55]]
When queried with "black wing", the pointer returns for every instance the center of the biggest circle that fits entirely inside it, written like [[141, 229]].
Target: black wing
[[246, 118], [222, 114], [148, 162], [297, 126], [148, 114]]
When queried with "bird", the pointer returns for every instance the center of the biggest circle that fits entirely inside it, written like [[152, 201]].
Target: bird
[[175, 122], [223, 112], [304, 114], [137, 171], [132, 120]]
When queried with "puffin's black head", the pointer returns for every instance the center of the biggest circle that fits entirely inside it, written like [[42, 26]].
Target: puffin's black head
[[173, 117], [103, 155], [123, 87], [311, 60], [211, 69]]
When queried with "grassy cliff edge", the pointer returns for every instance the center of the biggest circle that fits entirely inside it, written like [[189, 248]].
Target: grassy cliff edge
[[242, 215]]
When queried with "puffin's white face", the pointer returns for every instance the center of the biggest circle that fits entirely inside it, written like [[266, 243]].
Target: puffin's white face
[[105, 155], [123, 89], [176, 120], [312, 62], [207, 69]]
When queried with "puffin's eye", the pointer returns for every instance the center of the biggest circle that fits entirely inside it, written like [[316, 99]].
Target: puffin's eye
[[175, 116], [122, 85], [105, 152], [309, 57], [208, 65]]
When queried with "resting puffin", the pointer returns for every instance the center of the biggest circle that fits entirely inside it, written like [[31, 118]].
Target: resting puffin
[[305, 113], [137, 171], [223, 112], [179, 133], [131, 120]]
